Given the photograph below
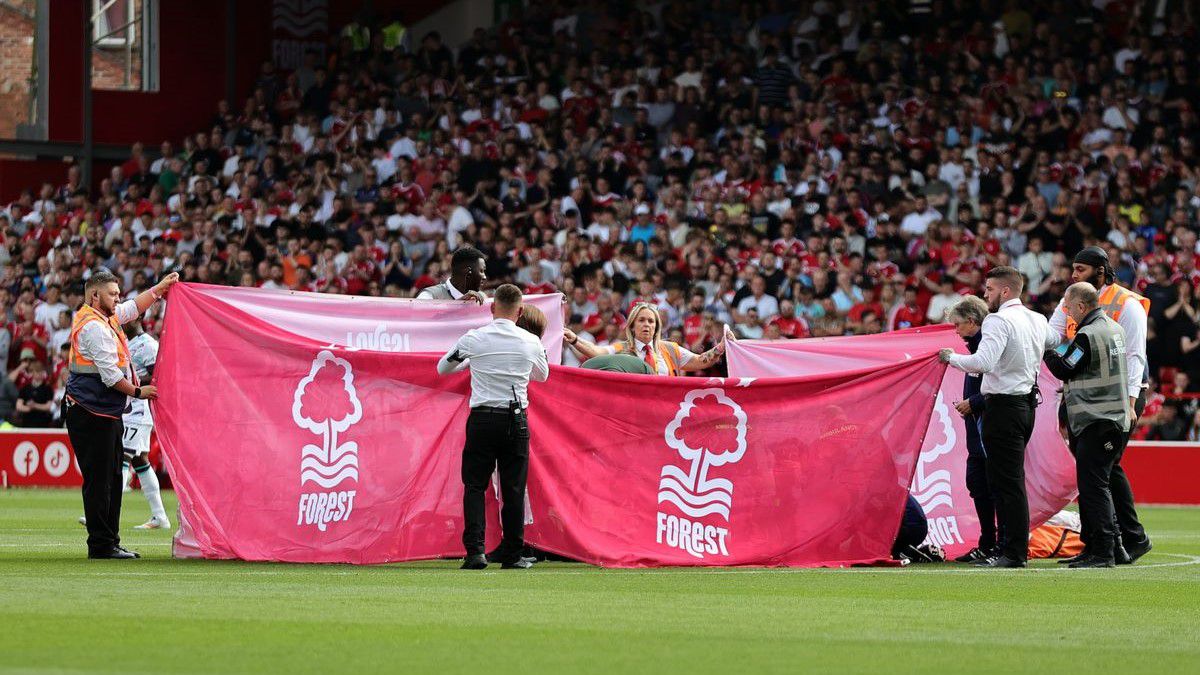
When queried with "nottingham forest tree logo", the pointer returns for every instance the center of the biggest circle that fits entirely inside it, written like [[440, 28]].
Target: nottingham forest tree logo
[[709, 430], [326, 404]]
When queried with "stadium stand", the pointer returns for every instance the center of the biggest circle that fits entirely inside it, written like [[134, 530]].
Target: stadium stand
[[789, 169]]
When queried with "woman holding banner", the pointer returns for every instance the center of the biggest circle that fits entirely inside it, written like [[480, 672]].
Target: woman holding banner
[[643, 339]]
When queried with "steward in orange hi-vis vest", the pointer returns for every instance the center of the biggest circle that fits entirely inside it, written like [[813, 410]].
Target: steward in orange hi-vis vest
[[643, 339], [1112, 301], [100, 383], [84, 385]]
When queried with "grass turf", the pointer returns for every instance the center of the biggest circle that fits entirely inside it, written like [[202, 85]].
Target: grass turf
[[62, 613]]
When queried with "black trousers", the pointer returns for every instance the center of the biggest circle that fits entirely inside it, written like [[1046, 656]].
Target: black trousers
[[985, 505], [1007, 426], [495, 439], [97, 443], [1097, 449], [1128, 526]]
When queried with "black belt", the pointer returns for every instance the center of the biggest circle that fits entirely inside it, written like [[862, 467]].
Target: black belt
[[988, 397], [494, 410]]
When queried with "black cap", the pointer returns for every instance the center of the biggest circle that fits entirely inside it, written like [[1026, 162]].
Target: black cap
[[1092, 255]]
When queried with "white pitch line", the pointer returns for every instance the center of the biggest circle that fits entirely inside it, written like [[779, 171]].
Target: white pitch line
[[369, 569], [910, 569]]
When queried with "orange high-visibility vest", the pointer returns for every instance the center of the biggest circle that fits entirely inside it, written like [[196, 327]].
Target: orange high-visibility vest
[[667, 352], [84, 385], [81, 364], [1112, 301]]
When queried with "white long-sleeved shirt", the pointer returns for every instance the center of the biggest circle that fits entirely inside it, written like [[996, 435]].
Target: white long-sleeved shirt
[[1010, 351], [1133, 320], [98, 344], [503, 358]]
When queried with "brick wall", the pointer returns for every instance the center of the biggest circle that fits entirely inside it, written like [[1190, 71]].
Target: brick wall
[[16, 63], [108, 63]]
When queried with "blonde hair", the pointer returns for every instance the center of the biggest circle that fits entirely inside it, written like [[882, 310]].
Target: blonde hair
[[640, 307], [532, 319]]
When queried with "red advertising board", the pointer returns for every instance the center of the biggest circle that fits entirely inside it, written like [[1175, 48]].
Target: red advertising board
[[37, 457], [1163, 472]]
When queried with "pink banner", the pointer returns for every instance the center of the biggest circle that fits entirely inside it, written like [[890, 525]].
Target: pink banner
[[939, 483], [373, 324], [284, 448]]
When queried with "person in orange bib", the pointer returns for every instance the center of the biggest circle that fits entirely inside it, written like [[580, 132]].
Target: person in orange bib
[[1130, 311], [643, 339], [100, 383]]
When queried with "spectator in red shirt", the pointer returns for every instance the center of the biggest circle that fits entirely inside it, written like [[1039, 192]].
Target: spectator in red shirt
[[537, 284], [789, 325], [907, 314]]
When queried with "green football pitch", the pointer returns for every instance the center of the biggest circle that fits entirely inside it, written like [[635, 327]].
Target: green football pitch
[[60, 612]]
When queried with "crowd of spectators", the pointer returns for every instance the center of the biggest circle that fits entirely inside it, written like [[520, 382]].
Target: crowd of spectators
[[790, 169]]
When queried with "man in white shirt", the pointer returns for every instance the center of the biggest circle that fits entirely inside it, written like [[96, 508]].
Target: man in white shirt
[[46, 313], [943, 302], [952, 170], [460, 219], [1127, 309], [101, 381], [1010, 358], [766, 305], [918, 220], [503, 359]]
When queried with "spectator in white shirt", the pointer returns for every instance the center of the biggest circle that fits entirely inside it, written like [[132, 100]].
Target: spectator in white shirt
[[1036, 263], [766, 305], [917, 222], [943, 302]]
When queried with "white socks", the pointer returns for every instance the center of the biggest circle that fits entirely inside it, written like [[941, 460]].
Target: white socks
[[149, 481], [126, 475]]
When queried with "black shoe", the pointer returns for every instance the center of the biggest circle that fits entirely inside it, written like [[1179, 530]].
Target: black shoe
[[474, 562], [1092, 562], [114, 553], [1074, 559], [971, 556], [1120, 555], [497, 557], [1134, 552], [135, 553], [518, 564], [1001, 562]]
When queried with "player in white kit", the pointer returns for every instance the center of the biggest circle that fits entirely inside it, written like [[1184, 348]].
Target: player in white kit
[[143, 352]]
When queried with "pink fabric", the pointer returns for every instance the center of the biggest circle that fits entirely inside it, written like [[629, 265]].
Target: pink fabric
[[282, 447], [377, 324], [940, 480]]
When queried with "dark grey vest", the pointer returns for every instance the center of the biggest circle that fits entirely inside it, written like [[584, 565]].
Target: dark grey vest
[[1101, 392]]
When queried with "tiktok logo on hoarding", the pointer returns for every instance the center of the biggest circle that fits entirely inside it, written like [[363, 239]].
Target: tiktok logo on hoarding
[[326, 404], [709, 430]]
